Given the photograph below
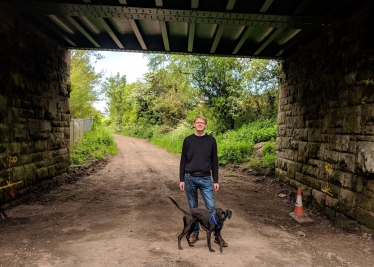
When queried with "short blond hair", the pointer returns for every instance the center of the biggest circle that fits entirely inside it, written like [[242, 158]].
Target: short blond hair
[[200, 117]]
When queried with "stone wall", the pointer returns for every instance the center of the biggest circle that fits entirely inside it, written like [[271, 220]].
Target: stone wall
[[34, 107], [325, 141]]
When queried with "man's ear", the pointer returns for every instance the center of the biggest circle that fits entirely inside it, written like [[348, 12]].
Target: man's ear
[[229, 214]]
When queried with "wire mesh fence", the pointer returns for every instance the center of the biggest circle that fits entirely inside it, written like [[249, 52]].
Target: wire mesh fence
[[77, 129]]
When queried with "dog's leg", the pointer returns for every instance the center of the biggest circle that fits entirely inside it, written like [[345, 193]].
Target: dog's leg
[[218, 234], [208, 235], [186, 229], [193, 224]]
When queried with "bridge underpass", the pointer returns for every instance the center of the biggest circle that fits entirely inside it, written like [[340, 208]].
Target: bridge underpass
[[326, 96]]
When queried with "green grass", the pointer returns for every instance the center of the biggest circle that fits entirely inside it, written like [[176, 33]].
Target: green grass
[[96, 143], [172, 141]]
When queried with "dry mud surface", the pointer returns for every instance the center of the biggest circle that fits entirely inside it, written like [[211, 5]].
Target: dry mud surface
[[116, 213]]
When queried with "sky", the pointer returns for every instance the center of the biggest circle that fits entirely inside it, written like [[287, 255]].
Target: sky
[[133, 65]]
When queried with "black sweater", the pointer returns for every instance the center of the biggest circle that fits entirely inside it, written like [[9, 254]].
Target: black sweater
[[199, 154]]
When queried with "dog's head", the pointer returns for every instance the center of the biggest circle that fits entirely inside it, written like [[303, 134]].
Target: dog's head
[[223, 214]]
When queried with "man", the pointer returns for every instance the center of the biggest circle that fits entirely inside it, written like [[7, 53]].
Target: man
[[199, 161]]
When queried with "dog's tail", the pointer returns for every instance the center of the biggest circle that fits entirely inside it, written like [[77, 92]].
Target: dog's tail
[[176, 204]]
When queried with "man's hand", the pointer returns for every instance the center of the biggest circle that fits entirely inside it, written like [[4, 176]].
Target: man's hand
[[181, 186], [216, 186]]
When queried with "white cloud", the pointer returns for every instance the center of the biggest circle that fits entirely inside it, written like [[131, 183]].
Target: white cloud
[[133, 65]]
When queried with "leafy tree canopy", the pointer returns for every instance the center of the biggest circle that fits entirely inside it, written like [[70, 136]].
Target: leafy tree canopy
[[84, 82]]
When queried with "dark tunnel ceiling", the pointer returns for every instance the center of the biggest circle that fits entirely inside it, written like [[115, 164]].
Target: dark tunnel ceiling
[[241, 28]]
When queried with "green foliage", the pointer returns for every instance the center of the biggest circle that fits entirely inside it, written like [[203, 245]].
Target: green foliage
[[83, 83], [233, 151], [268, 148], [96, 143], [117, 95], [173, 141], [235, 91], [235, 146], [163, 97], [265, 134], [143, 131], [268, 158]]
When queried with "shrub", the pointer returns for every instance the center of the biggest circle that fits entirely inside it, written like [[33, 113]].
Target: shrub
[[233, 151], [94, 144], [142, 131], [172, 141], [263, 135], [267, 161]]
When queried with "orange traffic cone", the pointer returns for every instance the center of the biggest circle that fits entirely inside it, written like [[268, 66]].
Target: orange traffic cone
[[299, 214], [299, 210]]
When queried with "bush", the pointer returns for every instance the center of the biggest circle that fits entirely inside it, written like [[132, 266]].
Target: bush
[[263, 135], [172, 141], [95, 144], [235, 146], [142, 131], [267, 161], [233, 151]]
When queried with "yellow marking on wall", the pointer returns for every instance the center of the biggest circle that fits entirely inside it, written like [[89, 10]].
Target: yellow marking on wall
[[11, 159], [327, 188]]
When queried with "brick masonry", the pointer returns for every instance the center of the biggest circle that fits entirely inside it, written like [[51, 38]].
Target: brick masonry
[[326, 118], [34, 107]]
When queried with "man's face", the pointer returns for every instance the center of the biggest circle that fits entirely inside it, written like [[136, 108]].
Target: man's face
[[200, 125]]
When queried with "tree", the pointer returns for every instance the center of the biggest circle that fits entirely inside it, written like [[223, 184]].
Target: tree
[[261, 81], [216, 79], [116, 95], [83, 83], [231, 90]]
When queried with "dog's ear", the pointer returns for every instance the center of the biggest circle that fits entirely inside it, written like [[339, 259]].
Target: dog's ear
[[219, 211], [229, 213]]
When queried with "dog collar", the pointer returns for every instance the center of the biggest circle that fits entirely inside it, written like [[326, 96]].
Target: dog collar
[[213, 217]]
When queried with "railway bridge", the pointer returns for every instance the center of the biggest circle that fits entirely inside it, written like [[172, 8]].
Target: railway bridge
[[325, 141]]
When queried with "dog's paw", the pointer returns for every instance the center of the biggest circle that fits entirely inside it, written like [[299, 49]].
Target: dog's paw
[[180, 248], [191, 245], [212, 250]]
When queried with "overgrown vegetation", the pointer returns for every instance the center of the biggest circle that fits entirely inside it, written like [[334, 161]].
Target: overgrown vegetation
[[238, 96], [84, 83], [96, 143], [234, 146]]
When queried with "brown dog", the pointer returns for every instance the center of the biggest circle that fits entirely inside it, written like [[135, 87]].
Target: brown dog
[[211, 221]]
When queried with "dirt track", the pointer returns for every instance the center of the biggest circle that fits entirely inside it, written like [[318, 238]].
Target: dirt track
[[119, 215]]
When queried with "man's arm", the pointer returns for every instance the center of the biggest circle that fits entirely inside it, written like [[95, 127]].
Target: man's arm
[[183, 161], [214, 157]]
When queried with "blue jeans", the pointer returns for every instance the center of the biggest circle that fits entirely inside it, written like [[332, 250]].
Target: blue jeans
[[191, 185]]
